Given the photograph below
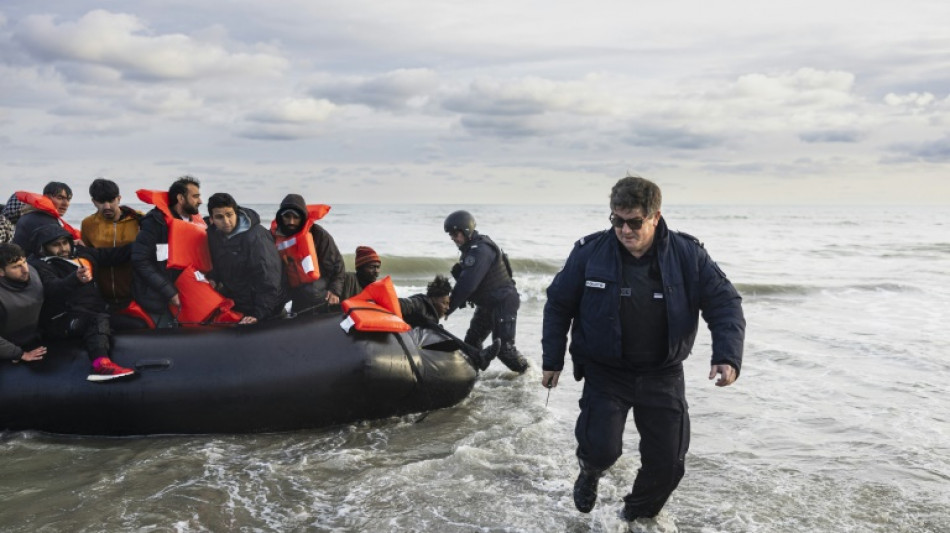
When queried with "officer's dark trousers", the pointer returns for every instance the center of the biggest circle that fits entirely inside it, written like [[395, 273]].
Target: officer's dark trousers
[[92, 328], [662, 419], [496, 315]]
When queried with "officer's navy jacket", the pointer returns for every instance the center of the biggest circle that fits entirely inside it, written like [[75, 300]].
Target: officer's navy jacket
[[585, 299]]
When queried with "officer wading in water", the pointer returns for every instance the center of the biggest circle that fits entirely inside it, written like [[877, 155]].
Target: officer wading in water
[[631, 299], [483, 277]]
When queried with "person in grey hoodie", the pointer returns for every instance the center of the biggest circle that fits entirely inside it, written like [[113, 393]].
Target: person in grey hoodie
[[21, 299], [246, 266]]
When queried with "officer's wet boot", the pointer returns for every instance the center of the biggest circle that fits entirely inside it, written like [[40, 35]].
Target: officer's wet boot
[[484, 357], [512, 358], [585, 488]]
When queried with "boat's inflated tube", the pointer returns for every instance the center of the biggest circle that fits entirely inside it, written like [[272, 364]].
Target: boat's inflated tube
[[275, 376]]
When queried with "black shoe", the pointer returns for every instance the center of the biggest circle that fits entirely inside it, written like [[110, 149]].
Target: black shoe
[[585, 489], [485, 356], [628, 514], [512, 358]]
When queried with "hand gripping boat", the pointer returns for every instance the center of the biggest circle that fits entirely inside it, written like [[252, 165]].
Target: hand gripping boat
[[280, 375]]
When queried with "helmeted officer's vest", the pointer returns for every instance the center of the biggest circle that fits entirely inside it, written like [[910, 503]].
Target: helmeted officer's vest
[[498, 275], [298, 252]]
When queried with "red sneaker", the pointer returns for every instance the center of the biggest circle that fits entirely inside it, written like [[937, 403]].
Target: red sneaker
[[103, 369]]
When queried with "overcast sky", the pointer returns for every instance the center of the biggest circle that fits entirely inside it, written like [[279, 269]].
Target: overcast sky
[[727, 102]]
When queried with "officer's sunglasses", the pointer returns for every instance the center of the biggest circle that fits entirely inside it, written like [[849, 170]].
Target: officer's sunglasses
[[632, 223]]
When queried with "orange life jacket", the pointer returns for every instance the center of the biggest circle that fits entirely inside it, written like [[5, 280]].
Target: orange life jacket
[[375, 309], [134, 310], [200, 303], [44, 204], [187, 240], [298, 251]]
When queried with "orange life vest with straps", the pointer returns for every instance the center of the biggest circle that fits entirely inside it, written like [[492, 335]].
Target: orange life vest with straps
[[187, 240], [200, 303], [44, 204], [375, 309], [298, 251], [187, 249]]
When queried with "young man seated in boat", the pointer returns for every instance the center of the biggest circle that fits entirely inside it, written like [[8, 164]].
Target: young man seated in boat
[[36, 215], [368, 265], [312, 261], [21, 298], [427, 309], [73, 306], [247, 268]]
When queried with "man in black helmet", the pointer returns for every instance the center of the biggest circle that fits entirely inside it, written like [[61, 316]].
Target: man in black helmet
[[483, 277]]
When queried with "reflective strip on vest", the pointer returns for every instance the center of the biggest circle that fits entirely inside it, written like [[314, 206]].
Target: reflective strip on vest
[[307, 264], [283, 245]]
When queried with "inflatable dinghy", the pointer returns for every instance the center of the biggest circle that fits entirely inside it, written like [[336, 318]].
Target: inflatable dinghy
[[276, 376]]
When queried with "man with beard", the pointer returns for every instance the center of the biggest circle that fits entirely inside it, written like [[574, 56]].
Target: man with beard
[[367, 271], [21, 299], [153, 285], [247, 267], [111, 226], [73, 307], [312, 261]]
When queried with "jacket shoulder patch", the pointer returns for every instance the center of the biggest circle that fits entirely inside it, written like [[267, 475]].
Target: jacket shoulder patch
[[690, 237], [590, 238]]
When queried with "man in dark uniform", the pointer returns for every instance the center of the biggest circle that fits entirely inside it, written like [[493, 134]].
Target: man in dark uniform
[[631, 298], [483, 277]]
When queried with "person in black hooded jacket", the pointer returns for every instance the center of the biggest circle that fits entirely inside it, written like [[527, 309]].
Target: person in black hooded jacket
[[324, 292], [246, 266], [73, 306]]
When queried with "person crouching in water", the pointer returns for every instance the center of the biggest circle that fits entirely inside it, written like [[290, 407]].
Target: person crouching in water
[[246, 267], [73, 306], [292, 224], [427, 309]]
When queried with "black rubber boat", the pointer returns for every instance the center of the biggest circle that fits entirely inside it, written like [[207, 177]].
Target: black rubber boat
[[278, 376]]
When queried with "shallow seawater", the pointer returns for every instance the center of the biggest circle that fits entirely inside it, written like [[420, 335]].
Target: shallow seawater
[[840, 420]]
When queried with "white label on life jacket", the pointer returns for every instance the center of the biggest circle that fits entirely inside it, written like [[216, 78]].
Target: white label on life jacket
[[596, 284], [307, 264], [347, 324], [161, 251], [200, 277], [287, 244]]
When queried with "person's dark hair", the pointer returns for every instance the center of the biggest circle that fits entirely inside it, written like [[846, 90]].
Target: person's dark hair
[[103, 190], [439, 287], [221, 199], [632, 192], [10, 253], [55, 187], [180, 187]]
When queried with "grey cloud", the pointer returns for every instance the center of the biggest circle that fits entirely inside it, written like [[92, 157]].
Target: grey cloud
[[670, 137], [831, 136], [937, 151], [124, 43], [481, 105], [396, 90], [500, 126]]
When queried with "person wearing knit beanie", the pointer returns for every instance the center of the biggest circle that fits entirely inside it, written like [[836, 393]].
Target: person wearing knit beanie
[[367, 271]]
